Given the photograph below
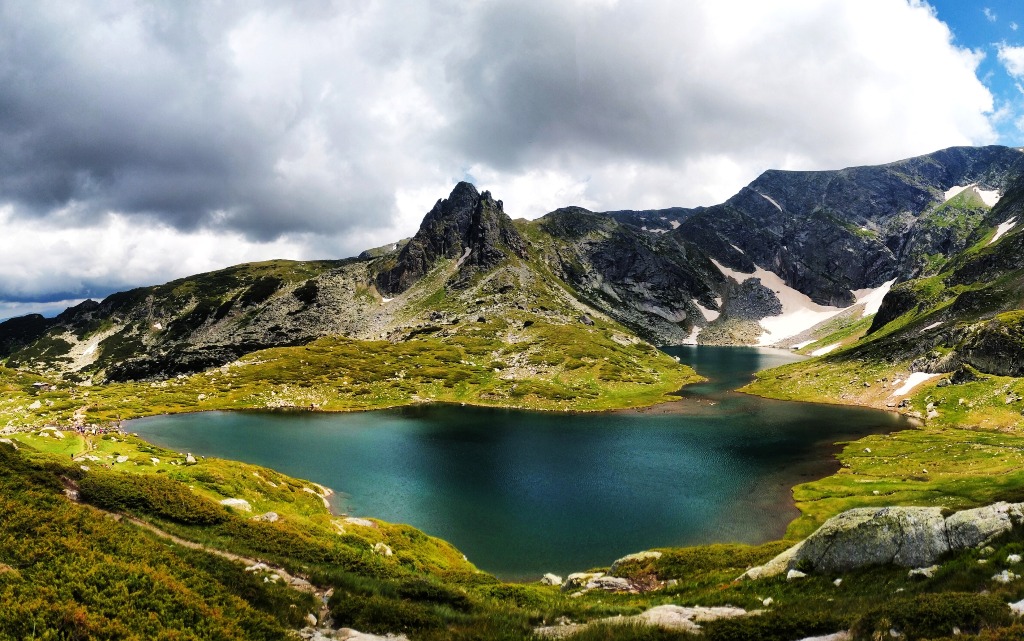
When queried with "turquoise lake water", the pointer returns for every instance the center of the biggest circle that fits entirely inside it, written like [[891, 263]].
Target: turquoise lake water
[[524, 493]]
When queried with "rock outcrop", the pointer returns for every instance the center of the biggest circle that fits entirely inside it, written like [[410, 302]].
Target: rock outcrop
[[911, 537], [468, 225]]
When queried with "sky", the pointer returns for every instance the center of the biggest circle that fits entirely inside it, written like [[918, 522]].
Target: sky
[[145, 141]]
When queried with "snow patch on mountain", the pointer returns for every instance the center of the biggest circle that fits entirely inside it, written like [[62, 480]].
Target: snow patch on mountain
[[953, 191], [821, 351], [988, 196], [771, 200], [799, 312], [709, 314], [913, 381], [1002, 229], [872, 298]]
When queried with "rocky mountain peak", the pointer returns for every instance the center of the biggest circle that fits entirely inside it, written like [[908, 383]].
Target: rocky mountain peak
[[468, 225]]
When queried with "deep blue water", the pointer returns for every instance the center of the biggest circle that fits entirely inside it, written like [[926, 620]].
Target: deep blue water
[[523, 493]]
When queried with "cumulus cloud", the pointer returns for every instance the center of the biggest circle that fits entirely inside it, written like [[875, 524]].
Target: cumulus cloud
[[1013, 59], [220, 132]]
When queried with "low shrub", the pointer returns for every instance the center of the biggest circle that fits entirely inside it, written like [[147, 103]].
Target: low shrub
[[150, 495], [927, 616]]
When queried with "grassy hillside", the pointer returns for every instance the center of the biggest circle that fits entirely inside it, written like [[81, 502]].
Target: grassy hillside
[[85, 570], [554, 368]]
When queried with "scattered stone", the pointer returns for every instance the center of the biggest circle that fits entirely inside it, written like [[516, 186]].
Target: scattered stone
[[551, 579], [121, 459], [36, 405], [190, 460], [577, 580], [311, 619], [609, 584], [240, 504], [1005, 577], [258, 567], [382, 549], [768, 601], [835, 636], [348, 634], [155, 460], [1017, 608], [269, 517], [352, 520], [795, 574], [637, 556], [674, 617], [837, 582], [926, 573], [1013, 559]]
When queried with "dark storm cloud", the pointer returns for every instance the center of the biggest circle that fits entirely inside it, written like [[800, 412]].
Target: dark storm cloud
[[138, 109]]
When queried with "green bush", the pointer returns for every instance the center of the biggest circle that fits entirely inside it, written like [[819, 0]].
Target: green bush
[[927, 616], [773, 626], [152, 495]]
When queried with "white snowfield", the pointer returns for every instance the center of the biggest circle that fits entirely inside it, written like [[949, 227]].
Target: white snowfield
[[1002, 230], [989, 197], [913, 381], [821, 351], [709, 314], [799, 312]]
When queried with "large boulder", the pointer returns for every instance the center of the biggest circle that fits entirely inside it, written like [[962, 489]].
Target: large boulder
[[980, 526], [906, 536], [911, 537]]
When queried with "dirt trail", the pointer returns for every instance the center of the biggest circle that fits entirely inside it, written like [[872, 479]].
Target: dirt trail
[[296, 581]]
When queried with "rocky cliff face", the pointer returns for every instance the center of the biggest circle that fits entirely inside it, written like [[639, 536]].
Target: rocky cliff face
[[469, 226], [653, 284], [970, 312], [829, 232]]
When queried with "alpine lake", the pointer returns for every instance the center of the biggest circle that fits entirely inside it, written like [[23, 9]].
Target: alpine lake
[[523, 493]]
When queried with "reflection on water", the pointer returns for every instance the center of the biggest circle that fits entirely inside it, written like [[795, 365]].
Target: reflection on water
[[523, 493]]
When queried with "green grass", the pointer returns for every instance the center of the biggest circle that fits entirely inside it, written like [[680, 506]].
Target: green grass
[[554, 367]]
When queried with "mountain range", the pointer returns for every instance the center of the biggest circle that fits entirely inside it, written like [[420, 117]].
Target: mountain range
[[785, 259]]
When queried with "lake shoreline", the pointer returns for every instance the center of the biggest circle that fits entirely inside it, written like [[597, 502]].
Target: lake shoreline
[[770, 501]]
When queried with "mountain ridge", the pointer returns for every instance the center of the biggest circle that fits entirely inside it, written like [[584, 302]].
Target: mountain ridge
[[818, 238]]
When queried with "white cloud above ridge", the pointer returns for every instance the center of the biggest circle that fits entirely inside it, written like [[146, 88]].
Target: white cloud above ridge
[[318, 129]]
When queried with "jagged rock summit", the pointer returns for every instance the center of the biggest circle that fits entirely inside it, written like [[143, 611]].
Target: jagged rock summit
[[468, 225]]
